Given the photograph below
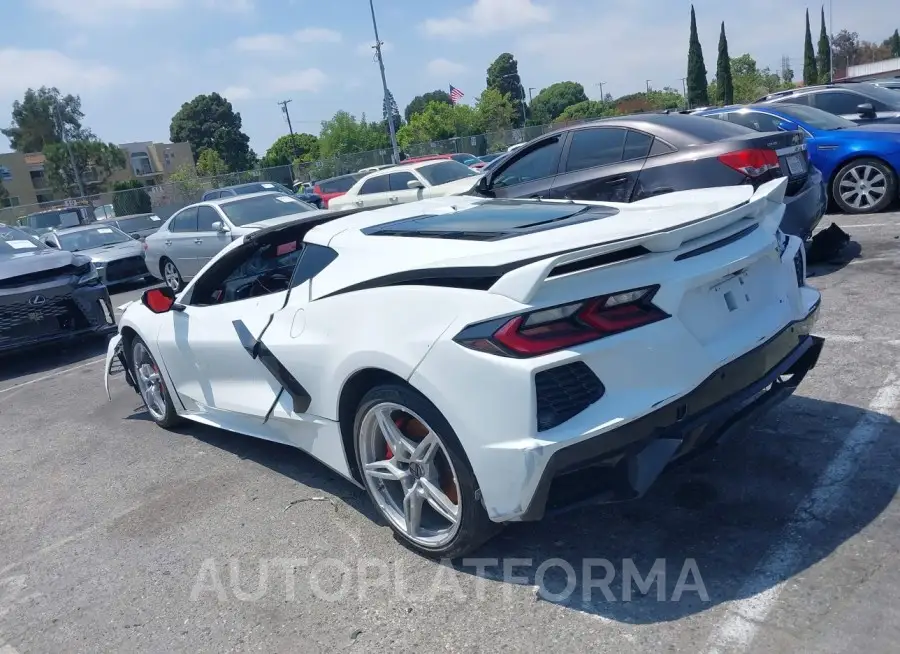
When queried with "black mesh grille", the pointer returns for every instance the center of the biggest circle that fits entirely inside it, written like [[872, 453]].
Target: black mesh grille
[[125, 268], [564, 392], [798, 268], [23, 319]]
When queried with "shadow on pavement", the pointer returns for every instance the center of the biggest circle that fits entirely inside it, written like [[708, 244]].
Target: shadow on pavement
[[45, 358]]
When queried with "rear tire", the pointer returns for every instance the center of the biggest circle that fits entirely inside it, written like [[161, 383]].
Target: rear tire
[[864, 186], [418, 476], [170, 274]]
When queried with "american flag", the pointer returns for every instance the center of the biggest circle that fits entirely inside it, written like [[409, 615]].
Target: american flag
[[455, 94]]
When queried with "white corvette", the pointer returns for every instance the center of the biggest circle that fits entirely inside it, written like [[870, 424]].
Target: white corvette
[[471, 362]]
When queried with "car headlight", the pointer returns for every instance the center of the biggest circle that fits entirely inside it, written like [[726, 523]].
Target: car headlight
[[89, 275]]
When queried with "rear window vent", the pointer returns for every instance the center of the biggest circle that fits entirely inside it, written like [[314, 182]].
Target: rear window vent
[[599, 260]]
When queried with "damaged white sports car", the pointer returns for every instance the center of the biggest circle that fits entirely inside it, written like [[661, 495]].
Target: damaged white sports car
[[471, 362]]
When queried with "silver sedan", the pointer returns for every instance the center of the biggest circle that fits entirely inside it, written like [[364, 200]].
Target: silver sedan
[[118, 258], [191, 237]]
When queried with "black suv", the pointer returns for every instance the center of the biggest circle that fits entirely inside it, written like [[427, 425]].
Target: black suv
[[862, 102]]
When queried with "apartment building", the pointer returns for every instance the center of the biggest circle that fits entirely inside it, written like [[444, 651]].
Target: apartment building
[[26, 181]]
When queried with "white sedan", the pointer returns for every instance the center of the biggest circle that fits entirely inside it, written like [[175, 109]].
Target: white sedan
[[401, 184], [473, 362]]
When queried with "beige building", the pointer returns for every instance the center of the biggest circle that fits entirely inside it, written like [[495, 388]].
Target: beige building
[[25, 180]]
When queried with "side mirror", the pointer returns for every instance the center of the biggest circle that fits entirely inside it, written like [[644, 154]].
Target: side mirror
[[414, 184], [221, 227], [136, 237], [865, 109], [159, 300], [51, 244], [788, 126]]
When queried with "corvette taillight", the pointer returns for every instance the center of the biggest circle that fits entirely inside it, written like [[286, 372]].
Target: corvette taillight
[[560, 327]]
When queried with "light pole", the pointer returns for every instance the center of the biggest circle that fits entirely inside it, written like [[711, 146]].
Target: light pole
[[530, 99], [602, 96], [648, 85], [387, 104]]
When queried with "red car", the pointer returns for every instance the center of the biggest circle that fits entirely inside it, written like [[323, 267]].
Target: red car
[[335, 186]]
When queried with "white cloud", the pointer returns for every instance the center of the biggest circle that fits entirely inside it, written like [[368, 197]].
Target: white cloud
[[317, 35], [23, 69], [263, 43], [310, 80], [103, 11], [488, 17], [444, 68], [237, 93]]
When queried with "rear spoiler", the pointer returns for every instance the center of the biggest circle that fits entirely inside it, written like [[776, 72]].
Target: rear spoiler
[[523, 283]]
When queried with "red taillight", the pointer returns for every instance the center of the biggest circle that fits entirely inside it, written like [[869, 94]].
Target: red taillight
[[557, 328], [751, 163]]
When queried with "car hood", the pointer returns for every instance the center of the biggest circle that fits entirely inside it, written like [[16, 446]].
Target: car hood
[[889, 130], [114, 252], [458, 186], [271, 222], [28, 262]]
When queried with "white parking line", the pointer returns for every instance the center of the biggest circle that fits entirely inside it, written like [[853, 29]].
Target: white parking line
[[853, 338], [744, 617], [851, 226], [51, 376]]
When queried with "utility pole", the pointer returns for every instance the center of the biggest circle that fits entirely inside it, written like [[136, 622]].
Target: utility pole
[[287, 115], [602, 97], [530, 99], [684, 86], [648, 85], [62, 134], [386, 103]]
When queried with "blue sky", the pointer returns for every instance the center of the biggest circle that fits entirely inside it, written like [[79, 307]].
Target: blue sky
[[134, 62]]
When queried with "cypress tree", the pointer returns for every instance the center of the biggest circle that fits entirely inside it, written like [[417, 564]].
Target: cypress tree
[[810, 71], [697, 84], [894, 42], [724, 81], [823, 60]]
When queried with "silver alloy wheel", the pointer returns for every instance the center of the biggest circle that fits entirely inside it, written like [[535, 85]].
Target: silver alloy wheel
[[149, 381], [170, 274], [862, 186], [411, 477]]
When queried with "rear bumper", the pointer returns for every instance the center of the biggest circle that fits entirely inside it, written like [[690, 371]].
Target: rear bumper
[[804, 211], [97, 319], [623, 463]]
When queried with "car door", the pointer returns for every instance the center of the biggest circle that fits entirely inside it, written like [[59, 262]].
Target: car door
[[846, 104], [601, 164], [204, 345], [375, 192], [179, 242], [530, 172], [208, 241], [400, 192]]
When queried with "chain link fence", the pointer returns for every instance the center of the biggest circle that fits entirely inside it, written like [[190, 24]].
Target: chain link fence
[[183, 188]]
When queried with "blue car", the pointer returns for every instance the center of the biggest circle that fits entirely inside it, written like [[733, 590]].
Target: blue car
[[860, 163]]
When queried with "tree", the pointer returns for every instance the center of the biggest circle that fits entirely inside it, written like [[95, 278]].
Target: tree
[[588, 109], [655, 100], [286, 150], [810, 70], [210, 164], [553, 100], [845, 48], [823, 58], [417, 104], [130, 197], [389, 108], [697, 84], [495, 112], [438, 122], [344, 134], [894, 43], [35, 121], [724, 81], [209, 121], [95, 161], [503, 76], [4, 194], [750, 82], [187, 183]]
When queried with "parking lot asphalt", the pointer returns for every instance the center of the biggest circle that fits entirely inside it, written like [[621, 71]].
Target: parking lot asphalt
[[118, 536]]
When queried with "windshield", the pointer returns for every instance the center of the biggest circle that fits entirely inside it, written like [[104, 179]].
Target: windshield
[[887, 96], [815, 117], [50, 219], [464, 158], [138, 223], [339, 184], [262, 187], [445, 172], [14, 240], [88, 239], [264, 207], [490, 157]]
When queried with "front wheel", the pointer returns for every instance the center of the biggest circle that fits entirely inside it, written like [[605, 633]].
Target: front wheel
[[864, 186], [151, 385], [417, 475]]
